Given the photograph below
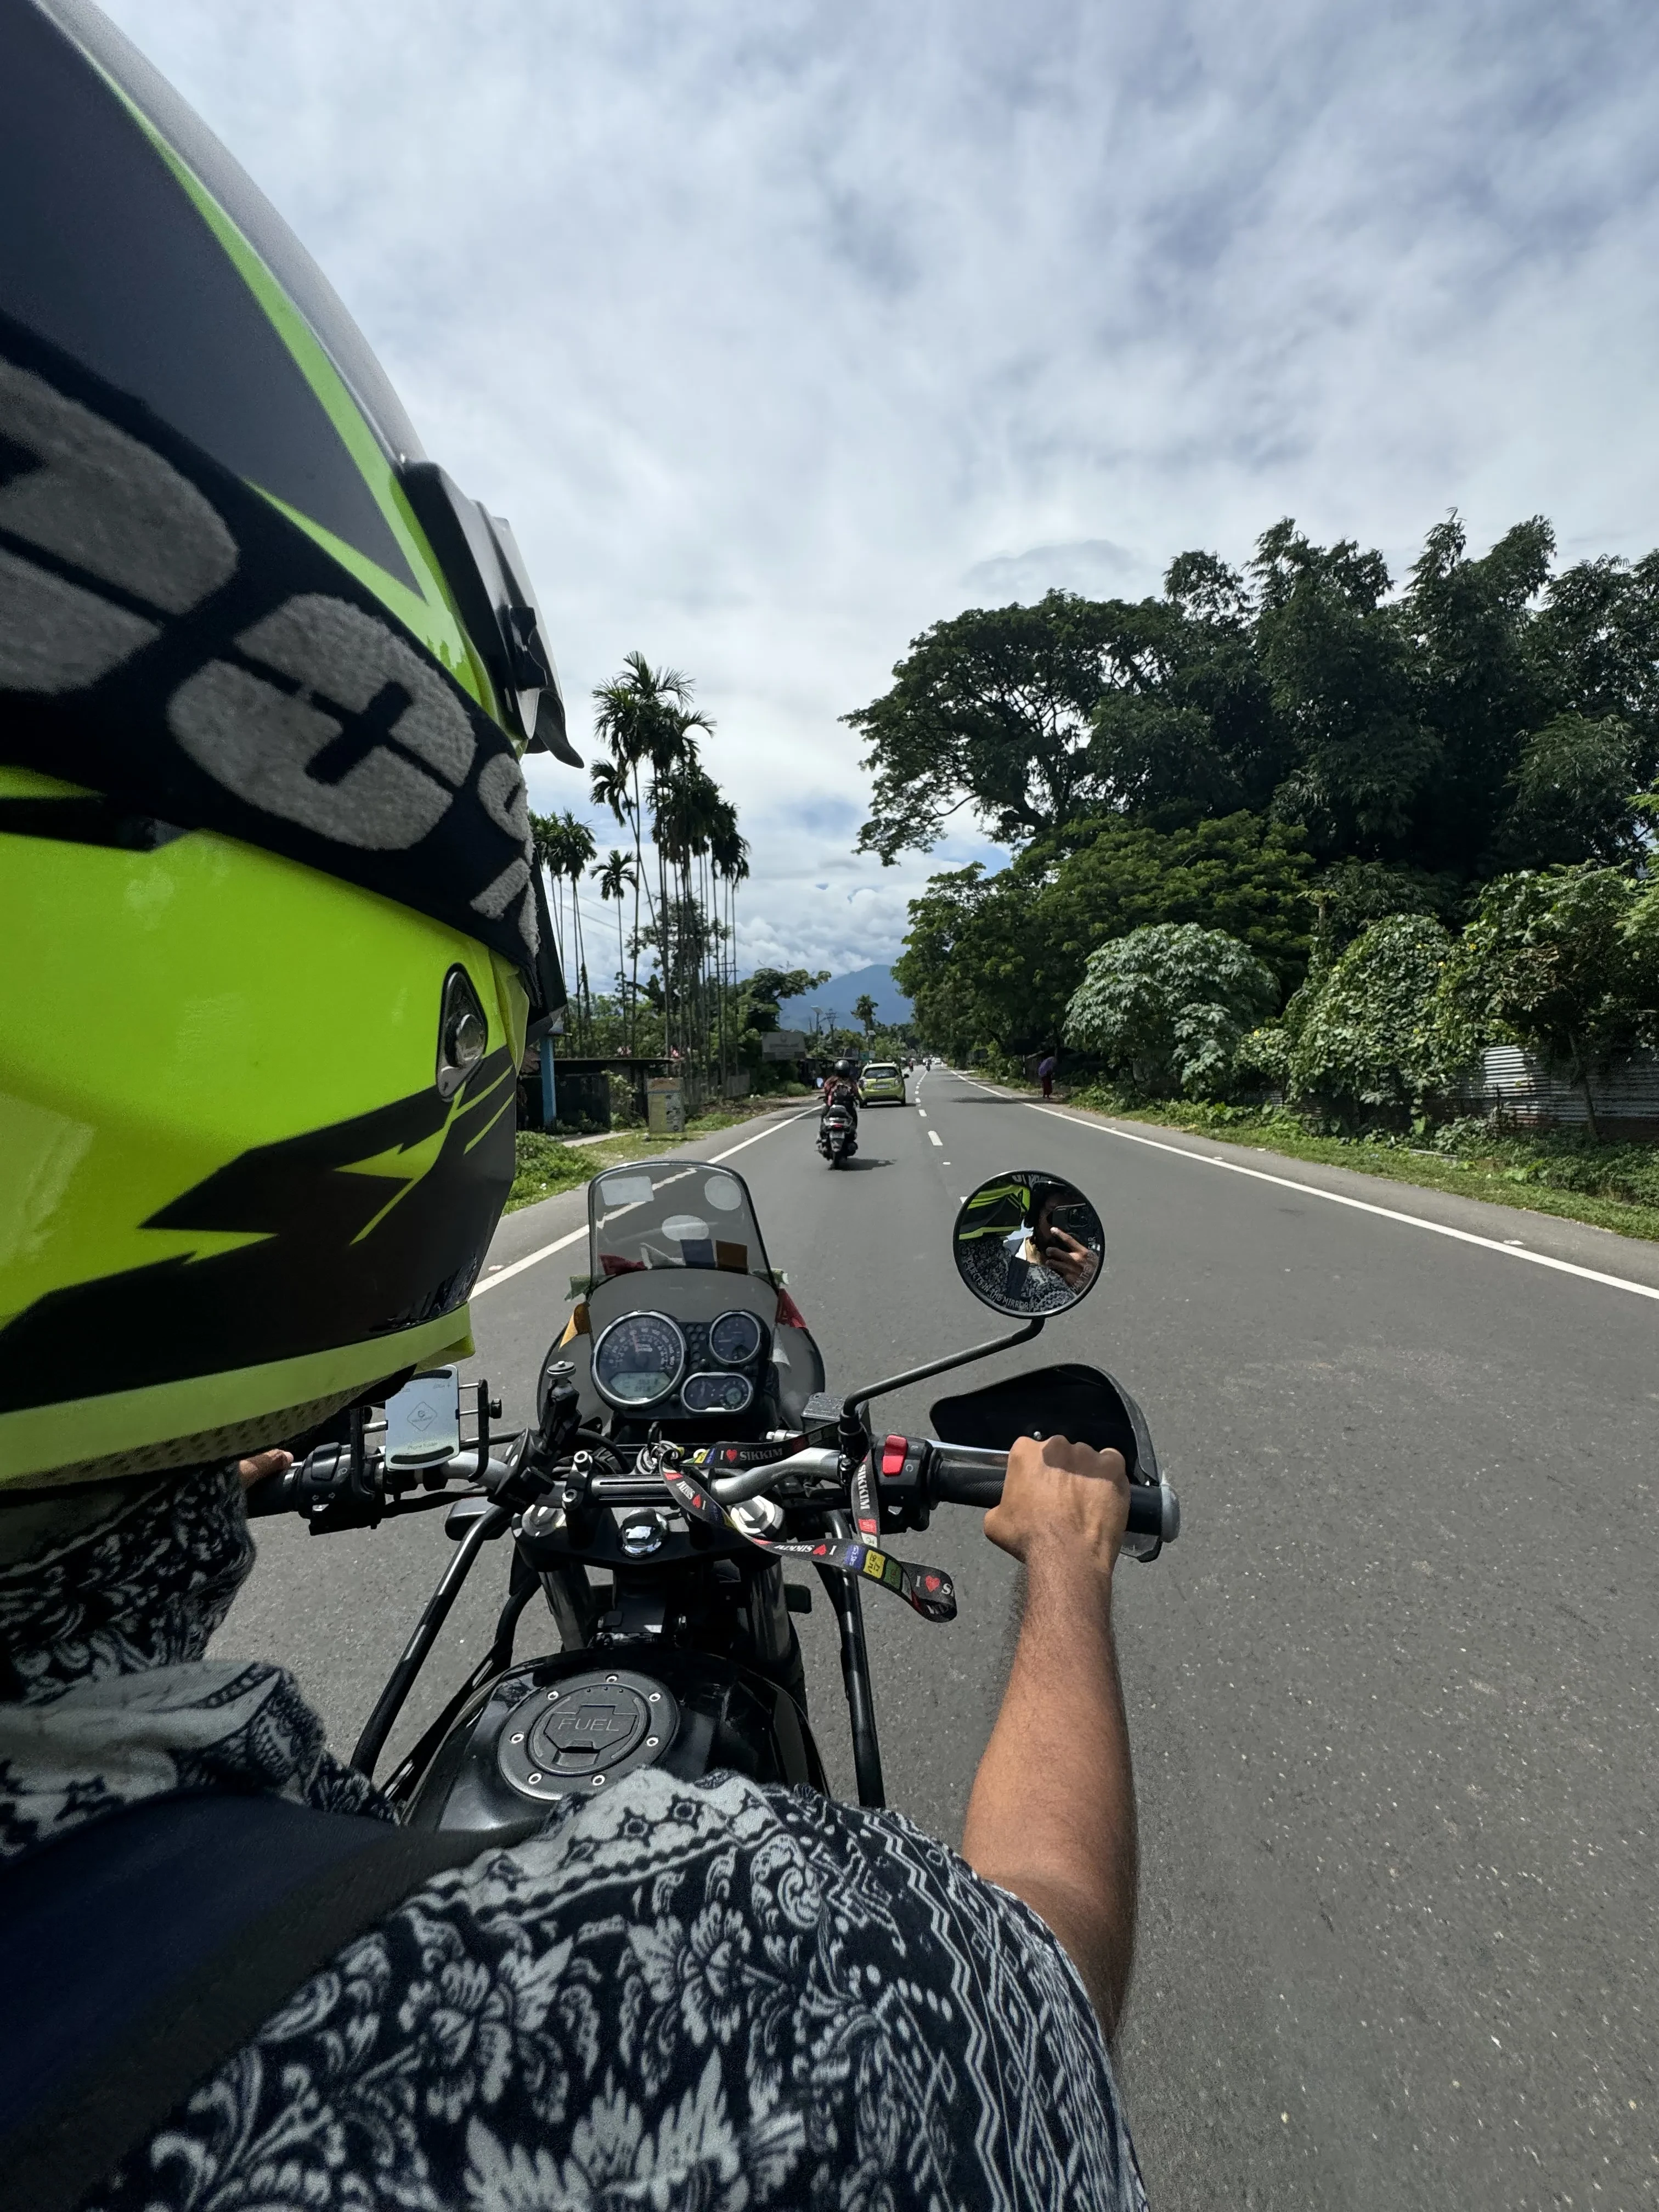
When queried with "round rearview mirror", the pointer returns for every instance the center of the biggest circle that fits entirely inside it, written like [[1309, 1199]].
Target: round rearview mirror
[[1029, 1243]]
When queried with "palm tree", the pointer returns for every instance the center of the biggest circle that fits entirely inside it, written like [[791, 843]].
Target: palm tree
[[547, 842], [684, 802], [613, 788], [645, 716], [863, 1009], [576, 849], [564, 846], [728, 855], [617, 876]]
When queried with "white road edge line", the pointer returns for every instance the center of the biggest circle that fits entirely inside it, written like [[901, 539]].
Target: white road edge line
[[562, 1243], [744, 1146], [1359, 1205], [531, 1260]]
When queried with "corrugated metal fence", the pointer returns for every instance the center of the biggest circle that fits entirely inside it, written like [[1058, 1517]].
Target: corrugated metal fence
[[1625, 1093]]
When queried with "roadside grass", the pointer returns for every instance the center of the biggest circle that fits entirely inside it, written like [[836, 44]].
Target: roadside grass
[[1559, 1172], [547, 1166]]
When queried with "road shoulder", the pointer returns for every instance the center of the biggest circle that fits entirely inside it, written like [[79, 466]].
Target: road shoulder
[[1575, 1243]]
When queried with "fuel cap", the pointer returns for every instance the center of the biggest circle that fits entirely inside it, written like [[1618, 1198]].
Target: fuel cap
[[588, 1729], [582, 1732]]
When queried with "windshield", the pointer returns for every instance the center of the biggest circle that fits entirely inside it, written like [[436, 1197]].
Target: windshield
[[673, 1213], [878, 1069]]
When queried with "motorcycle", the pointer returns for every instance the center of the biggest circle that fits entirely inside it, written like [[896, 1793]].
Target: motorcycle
[[837, 1132], [685, 1451]]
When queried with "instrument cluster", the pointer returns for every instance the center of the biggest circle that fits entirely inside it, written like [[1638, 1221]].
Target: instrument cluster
[[647, 1360]]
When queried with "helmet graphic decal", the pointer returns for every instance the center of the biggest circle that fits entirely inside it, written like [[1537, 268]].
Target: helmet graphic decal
[[204, 662], [73, 487], [379, 770], [355, 1230]]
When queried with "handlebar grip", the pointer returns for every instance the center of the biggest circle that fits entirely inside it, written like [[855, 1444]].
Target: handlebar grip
[[1154, 1510], [974, 1478], [962, 1486]]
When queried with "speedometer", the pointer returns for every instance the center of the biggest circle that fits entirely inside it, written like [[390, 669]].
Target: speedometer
[[639, 1359]]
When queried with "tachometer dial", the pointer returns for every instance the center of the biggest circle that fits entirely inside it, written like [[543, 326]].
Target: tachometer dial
[[734, 1338], [639, 1359]]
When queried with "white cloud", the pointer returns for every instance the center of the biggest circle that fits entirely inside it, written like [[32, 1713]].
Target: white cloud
[[783, 330]]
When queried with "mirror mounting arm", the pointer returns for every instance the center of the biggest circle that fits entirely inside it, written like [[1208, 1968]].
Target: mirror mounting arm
[[856, 1401]]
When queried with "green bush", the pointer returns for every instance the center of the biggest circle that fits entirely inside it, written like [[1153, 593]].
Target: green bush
[[1558, 1159], [1167, 1006], [623, 1113], [1642, 935], [1262, 1061], [543, 1167], [1562, 961], [1365, 1036]]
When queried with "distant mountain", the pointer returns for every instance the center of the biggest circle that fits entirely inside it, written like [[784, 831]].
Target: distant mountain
[[842, 992]]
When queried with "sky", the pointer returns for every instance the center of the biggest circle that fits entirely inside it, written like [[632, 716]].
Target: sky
[[780, 331]]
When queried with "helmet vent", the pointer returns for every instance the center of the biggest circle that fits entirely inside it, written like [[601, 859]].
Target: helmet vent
[[463, 1032]]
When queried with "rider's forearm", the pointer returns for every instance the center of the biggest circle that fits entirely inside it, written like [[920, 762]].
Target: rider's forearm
[[1052, 1816]]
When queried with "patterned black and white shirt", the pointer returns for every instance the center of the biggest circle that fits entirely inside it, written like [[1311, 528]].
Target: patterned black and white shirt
[[706, 1996]]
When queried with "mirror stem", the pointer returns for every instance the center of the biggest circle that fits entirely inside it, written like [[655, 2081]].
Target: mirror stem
[[857, 1400]]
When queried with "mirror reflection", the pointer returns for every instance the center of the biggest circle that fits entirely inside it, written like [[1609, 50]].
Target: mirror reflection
[[1029, 1243]]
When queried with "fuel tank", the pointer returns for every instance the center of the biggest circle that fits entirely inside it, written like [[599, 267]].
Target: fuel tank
[[573, 1725]]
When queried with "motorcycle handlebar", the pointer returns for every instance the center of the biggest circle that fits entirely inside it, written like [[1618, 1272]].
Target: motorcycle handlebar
[[958, 1474]]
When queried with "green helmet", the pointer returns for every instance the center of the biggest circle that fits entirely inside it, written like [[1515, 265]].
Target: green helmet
[[274, 940]]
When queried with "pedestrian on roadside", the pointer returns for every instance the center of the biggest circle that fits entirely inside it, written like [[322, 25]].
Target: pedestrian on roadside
[[1046, 1067]]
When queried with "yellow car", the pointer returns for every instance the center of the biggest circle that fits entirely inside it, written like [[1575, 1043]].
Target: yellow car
[[882, 1084]]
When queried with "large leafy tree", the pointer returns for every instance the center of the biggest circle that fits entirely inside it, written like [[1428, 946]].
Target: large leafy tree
[[1561, 960], [1360, 754], [1168, 1005], [762, 994], [1594, 645], [1403, 727], [1571, 787], [995, 959], [994, 711], [1408, 743], [1466, 625]]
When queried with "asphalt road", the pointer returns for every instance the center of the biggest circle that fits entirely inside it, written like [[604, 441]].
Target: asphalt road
[[1392, 1695]]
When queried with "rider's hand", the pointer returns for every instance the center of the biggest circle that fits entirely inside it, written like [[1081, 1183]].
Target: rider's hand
[[1074, 1263], [1061, 1500], [262, 1464]]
